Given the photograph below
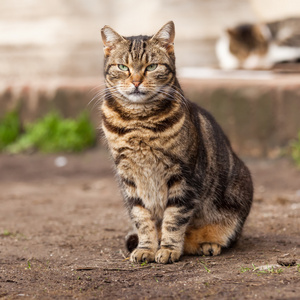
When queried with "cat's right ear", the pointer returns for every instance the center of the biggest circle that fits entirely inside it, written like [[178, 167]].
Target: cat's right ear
[[231, 32], [110, 38], [166, 36]]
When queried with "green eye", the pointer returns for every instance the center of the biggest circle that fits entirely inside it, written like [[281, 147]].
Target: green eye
[[151, 67], [123, 68]]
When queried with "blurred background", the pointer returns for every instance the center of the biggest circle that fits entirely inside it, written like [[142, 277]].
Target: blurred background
[[62, 221], [51, 57], [62, 37]]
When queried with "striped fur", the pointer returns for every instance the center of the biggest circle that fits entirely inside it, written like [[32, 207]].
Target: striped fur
[[185, 189]]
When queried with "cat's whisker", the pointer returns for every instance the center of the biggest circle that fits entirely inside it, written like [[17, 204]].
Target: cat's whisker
[[171, 97], [95, 90], [100, 94], [98, 86]]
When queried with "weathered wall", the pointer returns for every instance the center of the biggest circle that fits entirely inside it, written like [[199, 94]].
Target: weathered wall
[[260, 118], [269, 10]]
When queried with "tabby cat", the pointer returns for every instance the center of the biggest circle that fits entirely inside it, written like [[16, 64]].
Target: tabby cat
[[185, 189], [260, 46]]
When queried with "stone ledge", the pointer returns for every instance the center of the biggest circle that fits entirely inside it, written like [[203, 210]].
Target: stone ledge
[[260, 117]]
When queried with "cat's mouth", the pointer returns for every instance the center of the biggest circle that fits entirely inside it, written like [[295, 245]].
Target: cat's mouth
[[137, 92], [137, 96]]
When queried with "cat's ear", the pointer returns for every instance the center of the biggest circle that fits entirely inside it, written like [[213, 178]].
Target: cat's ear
[[110, 38], [232, 32], [166, 36]]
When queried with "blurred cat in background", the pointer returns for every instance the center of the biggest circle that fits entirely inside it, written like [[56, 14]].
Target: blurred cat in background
[[259, 46]]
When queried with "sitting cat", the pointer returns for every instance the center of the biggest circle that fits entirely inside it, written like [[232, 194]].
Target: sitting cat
[[186, 191], [259, 46]]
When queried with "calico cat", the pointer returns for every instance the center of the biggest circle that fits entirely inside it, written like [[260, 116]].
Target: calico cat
[[185, 189], [259, 46]]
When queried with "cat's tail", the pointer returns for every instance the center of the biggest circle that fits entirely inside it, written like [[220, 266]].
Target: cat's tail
[[132, 241]]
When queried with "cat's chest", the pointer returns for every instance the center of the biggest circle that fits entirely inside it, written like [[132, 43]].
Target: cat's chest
[[149, 167], [144, 157]]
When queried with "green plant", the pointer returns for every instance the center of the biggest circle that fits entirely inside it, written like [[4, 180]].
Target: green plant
[[205, 267], [28, 265], [244, 269], [7, 233], [55, 134], [295, 150], [258, 270], [9, 129]]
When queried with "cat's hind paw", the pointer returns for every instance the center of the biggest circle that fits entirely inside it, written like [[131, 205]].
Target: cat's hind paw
[[142, 255], [210, 249], [164, 256]]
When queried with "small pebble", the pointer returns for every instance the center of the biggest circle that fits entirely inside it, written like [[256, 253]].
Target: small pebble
[[60, 161]]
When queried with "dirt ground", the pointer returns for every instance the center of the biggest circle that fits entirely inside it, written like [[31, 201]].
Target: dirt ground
[[62, 237]]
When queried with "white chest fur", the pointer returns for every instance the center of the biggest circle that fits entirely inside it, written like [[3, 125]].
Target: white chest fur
[[226, 59]]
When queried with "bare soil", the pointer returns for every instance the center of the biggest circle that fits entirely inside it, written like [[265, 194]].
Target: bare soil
[[62, 235]]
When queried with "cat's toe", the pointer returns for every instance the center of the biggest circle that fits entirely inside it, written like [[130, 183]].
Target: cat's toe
[[164, 256], [210, 249], [142, 255]]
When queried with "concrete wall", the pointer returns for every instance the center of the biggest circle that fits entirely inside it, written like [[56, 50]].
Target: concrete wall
[[259, 117], [269, 10]]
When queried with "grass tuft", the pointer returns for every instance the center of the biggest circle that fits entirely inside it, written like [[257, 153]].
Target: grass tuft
[[9, 129], [205, 266], [28, 265], [55, 134], [295, 150], [258, 271]]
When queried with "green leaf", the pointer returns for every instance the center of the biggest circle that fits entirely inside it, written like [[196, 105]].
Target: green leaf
[[55, 134], [9, 129]]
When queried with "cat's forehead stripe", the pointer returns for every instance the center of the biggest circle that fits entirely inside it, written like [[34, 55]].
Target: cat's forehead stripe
[[137, 46], [143, 50]]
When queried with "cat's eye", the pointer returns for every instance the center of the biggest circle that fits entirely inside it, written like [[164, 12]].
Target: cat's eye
[[151, 67], [123, 68]]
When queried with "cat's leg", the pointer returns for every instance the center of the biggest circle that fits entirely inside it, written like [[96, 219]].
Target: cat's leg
[[146, 231], [224, 220], [175, 221], [209, 239]]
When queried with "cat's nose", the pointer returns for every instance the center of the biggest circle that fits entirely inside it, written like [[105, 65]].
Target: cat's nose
[[136, 83]]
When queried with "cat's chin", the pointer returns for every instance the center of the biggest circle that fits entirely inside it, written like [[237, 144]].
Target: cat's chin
[[137, 98]]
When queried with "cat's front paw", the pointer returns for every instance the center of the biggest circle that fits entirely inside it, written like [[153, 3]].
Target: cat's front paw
[[142, 255], [164, 256]]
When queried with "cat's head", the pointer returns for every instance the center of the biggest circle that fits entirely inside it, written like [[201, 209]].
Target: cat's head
[[137, 68], [242, 44]]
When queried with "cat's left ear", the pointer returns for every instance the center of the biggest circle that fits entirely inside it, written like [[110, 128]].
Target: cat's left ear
[[110, 38], [166, 36]]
